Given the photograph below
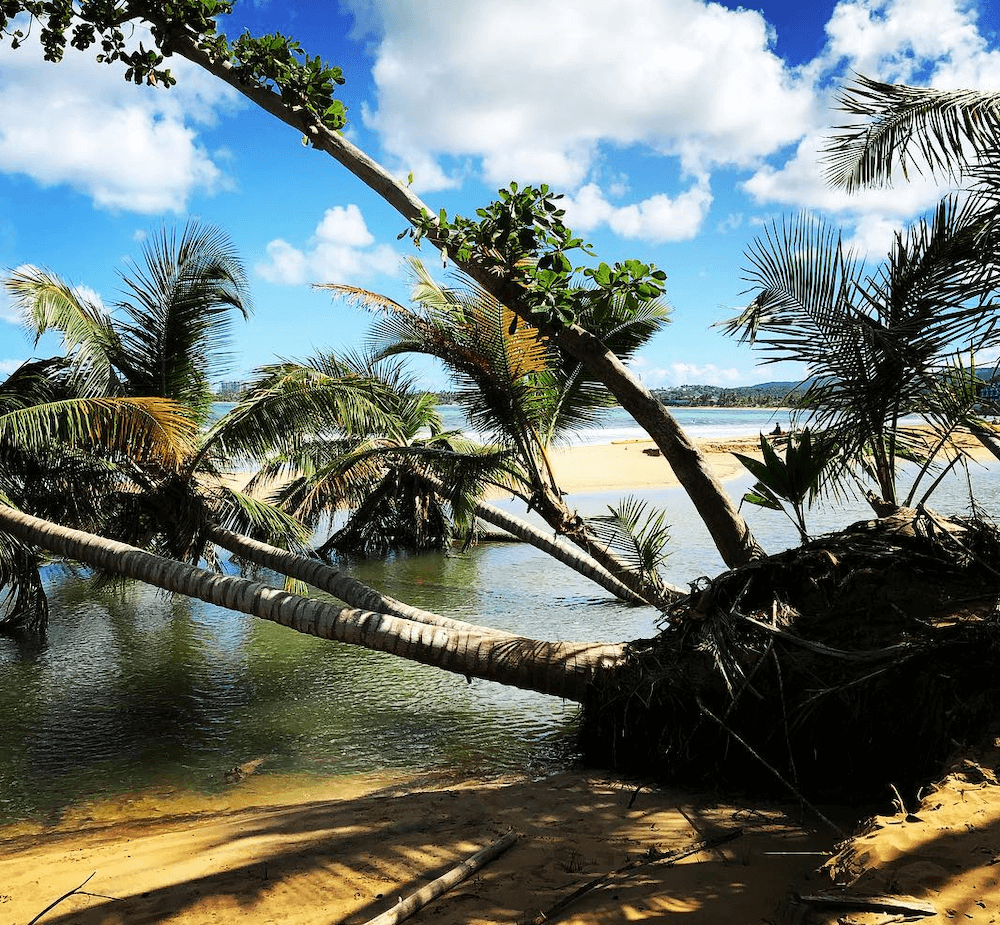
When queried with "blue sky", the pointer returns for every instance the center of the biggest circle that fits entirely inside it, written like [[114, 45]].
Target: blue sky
[[677, 130]]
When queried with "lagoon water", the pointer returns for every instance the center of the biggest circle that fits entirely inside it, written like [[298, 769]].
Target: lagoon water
[[132, 688]]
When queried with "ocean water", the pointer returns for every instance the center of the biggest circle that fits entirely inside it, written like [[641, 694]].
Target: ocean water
[[617, 424], [133, 689]]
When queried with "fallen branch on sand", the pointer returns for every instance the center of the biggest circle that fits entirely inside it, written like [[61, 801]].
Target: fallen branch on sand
[[652, 860], [904, 905], [415, 901], [75, 891]]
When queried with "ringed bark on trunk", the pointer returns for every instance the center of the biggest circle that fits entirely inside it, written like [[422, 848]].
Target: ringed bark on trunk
[[560, 669]]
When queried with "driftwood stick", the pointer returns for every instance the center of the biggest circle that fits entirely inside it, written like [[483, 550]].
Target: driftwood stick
[[52, 905], [906, 905], [415, 901], [662, 860]]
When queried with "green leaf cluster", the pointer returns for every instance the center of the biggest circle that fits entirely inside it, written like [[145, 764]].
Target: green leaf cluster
[[522, 238], [273, 61]]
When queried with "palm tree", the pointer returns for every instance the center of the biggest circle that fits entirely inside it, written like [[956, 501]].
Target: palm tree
[[878, 344], [60, 458], [173, 324], [519, 389], [562, 669], [167, 337], [341, 433]]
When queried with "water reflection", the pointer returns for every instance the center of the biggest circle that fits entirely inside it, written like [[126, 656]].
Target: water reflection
[[133, 688]]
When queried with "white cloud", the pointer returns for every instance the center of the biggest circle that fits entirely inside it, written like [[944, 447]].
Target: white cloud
[[128, 148], [339, 251], [926, 42], [657, 219], [897, 39], [8, 312], [679, 373], [9, 366], [532, 88]]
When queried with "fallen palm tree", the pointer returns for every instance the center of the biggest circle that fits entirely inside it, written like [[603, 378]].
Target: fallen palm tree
[[833, 669]]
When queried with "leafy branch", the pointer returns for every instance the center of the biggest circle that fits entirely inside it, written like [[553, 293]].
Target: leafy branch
[[521, 238], [270, 61]]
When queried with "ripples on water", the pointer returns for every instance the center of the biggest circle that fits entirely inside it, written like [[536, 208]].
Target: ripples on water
[[132, 688]]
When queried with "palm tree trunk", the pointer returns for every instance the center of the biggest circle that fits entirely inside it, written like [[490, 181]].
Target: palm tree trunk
[[730, 532], [560, 669], [333, 581], [586, 562]]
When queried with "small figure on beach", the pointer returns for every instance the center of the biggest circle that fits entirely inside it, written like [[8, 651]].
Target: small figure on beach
[[777, 431]]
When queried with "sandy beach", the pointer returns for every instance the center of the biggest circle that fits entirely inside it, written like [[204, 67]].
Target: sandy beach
[[261, 848]]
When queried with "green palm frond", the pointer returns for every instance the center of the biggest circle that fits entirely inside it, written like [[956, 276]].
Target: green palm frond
[[250, 516], [909, 128], [50, 304], [24, 608], [792, 481], [874, 342], [637, 532], [180, 303], [321, 397]]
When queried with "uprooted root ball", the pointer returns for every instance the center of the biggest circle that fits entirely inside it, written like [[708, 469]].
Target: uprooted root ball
[[853, 662]]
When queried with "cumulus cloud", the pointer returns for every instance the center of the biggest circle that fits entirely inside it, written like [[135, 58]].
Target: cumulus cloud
[[926, 42], [340, 251], [127, 148], [686, 78], [658, 219]]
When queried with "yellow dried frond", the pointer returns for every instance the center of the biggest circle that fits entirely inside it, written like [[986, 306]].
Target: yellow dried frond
[[527, 349], [155, 430]]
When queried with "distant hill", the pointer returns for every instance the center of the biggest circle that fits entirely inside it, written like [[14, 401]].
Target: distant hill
[[763, 394]]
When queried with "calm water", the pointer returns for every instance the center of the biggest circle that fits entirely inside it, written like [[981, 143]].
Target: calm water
[[132, 688]]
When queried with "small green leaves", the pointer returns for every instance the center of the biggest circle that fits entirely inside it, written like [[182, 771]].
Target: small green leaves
[[272, 61], [521, 237]]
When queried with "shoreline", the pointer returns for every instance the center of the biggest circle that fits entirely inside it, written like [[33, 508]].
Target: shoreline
[[635, 463]]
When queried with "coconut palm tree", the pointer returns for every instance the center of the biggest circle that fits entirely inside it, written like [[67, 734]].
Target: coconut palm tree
[[60, 458], [878, 344], [377, 452], [523, 393], [561, 669], [167, 337]]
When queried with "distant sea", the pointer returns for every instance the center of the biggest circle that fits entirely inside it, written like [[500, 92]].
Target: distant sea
[[699, 423]]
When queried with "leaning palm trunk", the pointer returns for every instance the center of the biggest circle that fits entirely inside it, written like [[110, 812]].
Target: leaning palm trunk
[[595, 562], [560, 669], [333, 581], [729, 531]]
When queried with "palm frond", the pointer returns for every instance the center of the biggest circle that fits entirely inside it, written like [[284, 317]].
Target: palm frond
[[180, 304], [637, 532], [245, 514], [319, 396], [48, 303], [24, 607], [144, 430], [909, 128]]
